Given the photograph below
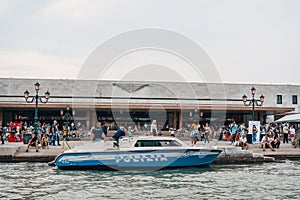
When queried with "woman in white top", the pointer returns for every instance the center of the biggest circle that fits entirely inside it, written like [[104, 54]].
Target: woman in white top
[[153, 128], [206, 131], [243, 142], [292, 132]]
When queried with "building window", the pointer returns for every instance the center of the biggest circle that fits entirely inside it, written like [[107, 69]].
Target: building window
[[279, 99], [294, 99]]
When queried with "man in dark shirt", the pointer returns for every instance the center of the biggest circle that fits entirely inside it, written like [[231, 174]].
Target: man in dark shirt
[[33, 142], [1, 135], [104, 128], [97, 133], [117, 135], [55, 136]]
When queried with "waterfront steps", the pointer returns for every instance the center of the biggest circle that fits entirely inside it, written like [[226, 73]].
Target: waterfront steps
[[285, 151], [15, 152], [8, 149]]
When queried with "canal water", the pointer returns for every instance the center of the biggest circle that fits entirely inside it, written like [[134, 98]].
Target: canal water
[[262, 181]]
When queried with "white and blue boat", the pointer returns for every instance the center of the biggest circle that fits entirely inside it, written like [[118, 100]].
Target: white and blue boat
[[136, 153]]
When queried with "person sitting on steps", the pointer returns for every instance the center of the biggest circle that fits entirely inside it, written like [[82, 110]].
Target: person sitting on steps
[[243, 142], [44, 141], [266, 143], [119, 133], [33, 142], [295, 141], [275, 142]]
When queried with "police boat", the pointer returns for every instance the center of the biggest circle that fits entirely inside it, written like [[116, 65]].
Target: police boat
[[136, 153]]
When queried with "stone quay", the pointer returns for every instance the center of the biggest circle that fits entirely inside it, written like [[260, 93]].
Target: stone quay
[[15, 152]]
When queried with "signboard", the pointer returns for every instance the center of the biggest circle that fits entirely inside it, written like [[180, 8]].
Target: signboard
[[270, 119], [254, 129], [15, 132]]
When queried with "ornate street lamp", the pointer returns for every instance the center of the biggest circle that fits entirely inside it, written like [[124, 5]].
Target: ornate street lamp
[[201, 115], [37, 98], [253, 102], [67, 116]]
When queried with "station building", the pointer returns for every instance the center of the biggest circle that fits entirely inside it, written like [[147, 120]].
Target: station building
[[172, 104]]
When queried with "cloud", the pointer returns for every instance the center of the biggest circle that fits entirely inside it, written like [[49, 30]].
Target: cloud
[[85, 13], [247, 38], [36, 65]]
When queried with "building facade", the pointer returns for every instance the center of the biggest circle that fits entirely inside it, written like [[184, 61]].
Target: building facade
[[172, 104]]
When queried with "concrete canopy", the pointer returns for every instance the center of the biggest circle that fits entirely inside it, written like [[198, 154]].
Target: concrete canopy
[[290, 118]]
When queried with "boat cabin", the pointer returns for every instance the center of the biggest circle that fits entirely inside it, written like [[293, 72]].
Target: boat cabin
[[150, 142]]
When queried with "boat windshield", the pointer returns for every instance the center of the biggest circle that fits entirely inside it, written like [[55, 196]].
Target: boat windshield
[[157, 143]]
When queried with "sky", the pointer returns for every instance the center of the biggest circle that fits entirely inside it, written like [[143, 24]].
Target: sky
[[247, 41]]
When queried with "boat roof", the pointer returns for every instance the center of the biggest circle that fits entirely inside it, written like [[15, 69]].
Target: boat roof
[[127, 143], [155, 138]]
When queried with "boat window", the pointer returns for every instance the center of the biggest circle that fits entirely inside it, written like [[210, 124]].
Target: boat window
[[157, 143]]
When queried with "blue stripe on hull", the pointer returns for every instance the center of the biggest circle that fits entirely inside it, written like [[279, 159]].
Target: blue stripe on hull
[[118, 160]]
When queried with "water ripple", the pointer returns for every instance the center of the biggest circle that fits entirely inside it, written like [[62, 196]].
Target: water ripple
[[39, 181]]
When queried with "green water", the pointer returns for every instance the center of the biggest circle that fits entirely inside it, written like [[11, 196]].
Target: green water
[[264, 181]]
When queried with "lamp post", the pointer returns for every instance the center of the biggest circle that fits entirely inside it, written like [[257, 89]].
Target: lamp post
[[67, 116], [201, 116], [37, 98], [253, 101]]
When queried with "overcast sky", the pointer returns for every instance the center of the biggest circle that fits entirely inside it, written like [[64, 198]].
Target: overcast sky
[[248, 41]]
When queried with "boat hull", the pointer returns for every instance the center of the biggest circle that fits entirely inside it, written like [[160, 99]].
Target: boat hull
[[137, 159]]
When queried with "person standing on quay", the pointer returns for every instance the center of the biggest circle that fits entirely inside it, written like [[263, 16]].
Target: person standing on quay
[[206, 131], [153, 128], [55, 133], [254, 134], [292, 132], [194, 132], [285, 131], [1, 135]]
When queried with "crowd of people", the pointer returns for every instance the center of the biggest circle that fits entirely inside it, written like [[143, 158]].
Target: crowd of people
[[268, 135]]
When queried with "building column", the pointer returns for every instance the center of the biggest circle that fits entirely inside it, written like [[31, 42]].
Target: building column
[[1, 117], [93, 118], [261, 117], [174, 119], [88, 120], [180, 119]]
